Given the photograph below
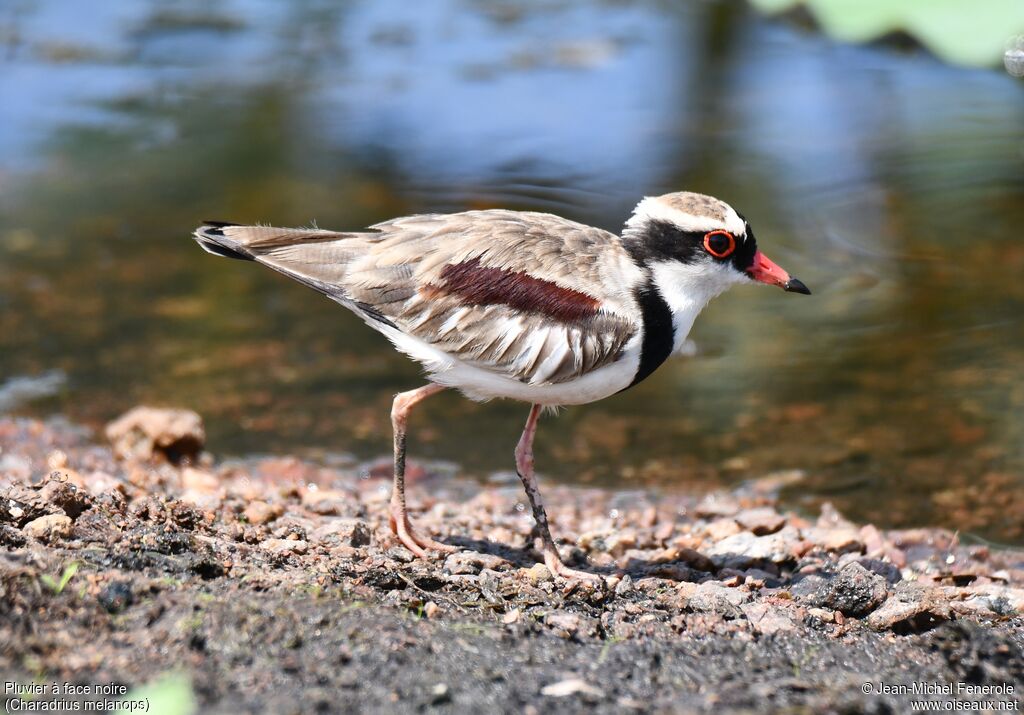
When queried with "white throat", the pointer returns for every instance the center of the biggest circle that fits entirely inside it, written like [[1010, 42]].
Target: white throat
[[687, 288]]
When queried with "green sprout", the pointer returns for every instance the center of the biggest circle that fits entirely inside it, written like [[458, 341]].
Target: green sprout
[[57, 585]]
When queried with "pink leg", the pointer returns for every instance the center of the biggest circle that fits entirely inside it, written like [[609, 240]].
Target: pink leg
[[524, 465], [400, 523]]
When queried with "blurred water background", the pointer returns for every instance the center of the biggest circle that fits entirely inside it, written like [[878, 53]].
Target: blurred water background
[[891, 183]]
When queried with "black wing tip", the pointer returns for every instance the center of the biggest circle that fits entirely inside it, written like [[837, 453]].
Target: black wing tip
[[211, 238], [213, 228]]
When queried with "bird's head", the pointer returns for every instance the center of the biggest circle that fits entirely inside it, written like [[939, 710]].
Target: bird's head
[[696, 247]]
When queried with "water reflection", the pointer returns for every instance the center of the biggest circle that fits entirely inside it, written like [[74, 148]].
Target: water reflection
[[892, 184]]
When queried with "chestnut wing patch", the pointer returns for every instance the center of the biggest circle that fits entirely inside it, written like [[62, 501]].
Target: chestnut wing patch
[[474, 284]]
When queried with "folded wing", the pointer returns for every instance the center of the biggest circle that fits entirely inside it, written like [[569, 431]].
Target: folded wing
[[528, 296]]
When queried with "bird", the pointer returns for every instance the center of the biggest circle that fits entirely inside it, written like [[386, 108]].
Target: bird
[[519, 305]]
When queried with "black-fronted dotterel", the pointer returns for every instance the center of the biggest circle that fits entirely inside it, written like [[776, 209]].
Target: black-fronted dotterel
[[521, 305]]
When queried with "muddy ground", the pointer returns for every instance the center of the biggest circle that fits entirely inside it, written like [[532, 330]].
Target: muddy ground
[[274, 585]]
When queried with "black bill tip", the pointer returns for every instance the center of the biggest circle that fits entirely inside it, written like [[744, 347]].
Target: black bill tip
[[795, 285]]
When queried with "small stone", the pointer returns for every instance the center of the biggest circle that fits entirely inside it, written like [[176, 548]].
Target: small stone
[[260, 512], [732, 581], [624, 586], [854, 591], [842, 540], [116, 596], [538, 573], [360, 535], [720, 529], [822, 614], [564, 623], [874, 544], [146, 432], [59, 493], [326, 502], [884, 569], [571, 686], [49, 527], [768, 618], [912, 607], [199, 480], [714, 598], [762, 521], [440, 694], [511, 617], [744, 549], [431, 610], [285, 546], [472, 562], [618, 543]]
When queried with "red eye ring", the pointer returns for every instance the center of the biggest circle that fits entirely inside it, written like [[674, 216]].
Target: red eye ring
[[720, 253]]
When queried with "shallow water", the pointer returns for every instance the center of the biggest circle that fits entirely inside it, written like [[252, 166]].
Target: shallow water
[[891, 184]]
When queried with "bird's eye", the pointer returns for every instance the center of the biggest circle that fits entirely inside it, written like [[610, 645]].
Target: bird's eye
[[719, 244]]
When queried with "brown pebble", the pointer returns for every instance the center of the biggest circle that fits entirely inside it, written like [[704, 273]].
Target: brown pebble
[[260, 512], [285, 546], [511, 617], [49, 527], [761, 521], [722, 529], [538, 573]]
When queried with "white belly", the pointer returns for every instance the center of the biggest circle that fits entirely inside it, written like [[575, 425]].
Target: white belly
[[480, 384]]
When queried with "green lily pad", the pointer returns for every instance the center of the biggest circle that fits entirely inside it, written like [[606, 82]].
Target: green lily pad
[[974, 34]]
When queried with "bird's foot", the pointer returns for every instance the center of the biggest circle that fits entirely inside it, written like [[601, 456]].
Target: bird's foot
[[558, 569], [415, 542]]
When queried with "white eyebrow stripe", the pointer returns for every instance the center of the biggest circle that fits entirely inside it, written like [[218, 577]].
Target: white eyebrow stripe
[[651, 209]]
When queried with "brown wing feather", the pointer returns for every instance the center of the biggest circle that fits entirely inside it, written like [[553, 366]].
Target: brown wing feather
[[530, 296]]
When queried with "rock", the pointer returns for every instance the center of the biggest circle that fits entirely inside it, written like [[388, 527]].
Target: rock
[[116, 596], [762, 521], [756, 578], [199, 480], [538, 573], [201, 488], [49, 527], [822, 614], [571, 686], [913, 607], [351, 532], [440, 694], [147, 432], [564, 623], [472, 562], [360, 535], [714, 598], [285, 546], [874, 544], [624, 586], [511, 617], [854, 591], [720, 529], [842, 540], [57, 493], [744, 549], [767, 618], [20, 505], [1005, 600], [260, 512], [717, 504], [884, 569], [621, 541], [326, 502], [690, 557]]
